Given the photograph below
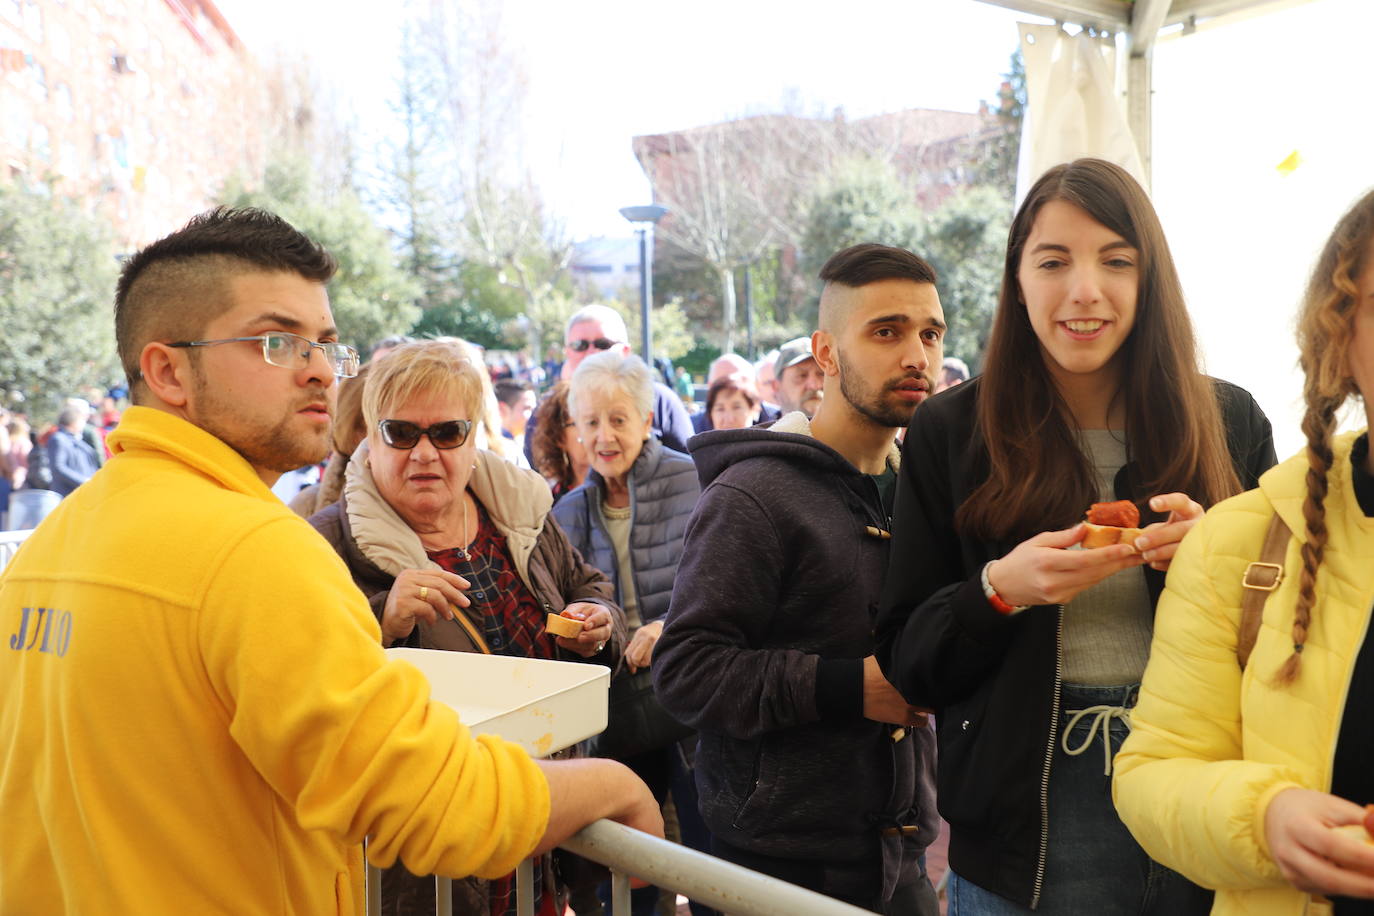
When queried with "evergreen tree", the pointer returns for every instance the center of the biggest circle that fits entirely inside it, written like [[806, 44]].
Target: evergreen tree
[[371, 296], [57, 280]]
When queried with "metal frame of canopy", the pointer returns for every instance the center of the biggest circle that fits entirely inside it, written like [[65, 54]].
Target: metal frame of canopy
[[1141, 21]]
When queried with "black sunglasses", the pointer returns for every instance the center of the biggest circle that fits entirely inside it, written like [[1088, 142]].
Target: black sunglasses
[[601, 343], [403, 434]]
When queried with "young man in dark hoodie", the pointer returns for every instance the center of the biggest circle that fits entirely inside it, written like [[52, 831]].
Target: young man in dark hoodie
[[810, 766]]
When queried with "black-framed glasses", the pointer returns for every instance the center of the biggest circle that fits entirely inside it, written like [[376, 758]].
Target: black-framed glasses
[[291, 351], [601, 343], [404, 434]]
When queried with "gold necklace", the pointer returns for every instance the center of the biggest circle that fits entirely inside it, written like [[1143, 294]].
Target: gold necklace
[[463, 534]]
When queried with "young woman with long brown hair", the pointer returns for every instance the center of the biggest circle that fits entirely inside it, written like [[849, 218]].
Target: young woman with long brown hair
[[1024, 646], [1239, 777]]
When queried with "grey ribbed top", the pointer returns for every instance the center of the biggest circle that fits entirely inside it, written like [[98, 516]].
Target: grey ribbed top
[[618, 527], [1107, 628]]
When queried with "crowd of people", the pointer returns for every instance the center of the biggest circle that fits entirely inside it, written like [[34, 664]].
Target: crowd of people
[[846, 600], [39, 466]]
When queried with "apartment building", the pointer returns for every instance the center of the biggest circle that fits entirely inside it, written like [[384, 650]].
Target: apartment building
[[137, 109]]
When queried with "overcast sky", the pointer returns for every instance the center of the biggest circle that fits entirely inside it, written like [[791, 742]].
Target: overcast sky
[[603, 71]]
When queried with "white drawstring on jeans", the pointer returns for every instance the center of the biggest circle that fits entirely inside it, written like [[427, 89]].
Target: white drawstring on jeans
[[1102, 718]]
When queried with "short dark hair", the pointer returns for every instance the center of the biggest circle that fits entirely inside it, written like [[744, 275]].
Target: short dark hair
[[169, 288], [860, 265], [509, 390]]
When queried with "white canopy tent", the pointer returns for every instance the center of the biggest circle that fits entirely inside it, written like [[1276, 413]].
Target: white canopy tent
[[1141, 22], [1253, 141]]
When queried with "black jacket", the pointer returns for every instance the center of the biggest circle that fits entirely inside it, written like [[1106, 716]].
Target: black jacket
[[992, 679], [778, 584]]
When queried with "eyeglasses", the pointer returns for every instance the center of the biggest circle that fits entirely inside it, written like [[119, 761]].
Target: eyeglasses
[[601, 343], [404, 434], [291, 351]]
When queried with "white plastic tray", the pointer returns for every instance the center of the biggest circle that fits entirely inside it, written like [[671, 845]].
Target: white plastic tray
[[544, 706]]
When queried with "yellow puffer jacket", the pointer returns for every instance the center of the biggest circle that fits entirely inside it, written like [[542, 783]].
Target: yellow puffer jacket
[[1210, 747]]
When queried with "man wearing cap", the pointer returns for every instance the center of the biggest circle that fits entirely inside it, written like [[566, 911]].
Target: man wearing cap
[[810, 766], [800, 379]]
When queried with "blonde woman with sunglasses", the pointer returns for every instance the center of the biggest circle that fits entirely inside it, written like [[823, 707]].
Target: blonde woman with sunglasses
[[455, 549]]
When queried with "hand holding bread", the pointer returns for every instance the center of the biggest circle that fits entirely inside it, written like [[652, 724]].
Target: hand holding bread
[[581, 627], [564, 624], [1111, 523], [1312, 849]]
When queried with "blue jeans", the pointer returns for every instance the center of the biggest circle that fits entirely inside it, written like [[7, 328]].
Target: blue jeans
[[1093, 865]]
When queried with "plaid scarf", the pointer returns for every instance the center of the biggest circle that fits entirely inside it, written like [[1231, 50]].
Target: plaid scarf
[[508, 615], [512, 623]]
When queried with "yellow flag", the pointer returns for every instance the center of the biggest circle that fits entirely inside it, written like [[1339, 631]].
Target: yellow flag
[[1289, 164]]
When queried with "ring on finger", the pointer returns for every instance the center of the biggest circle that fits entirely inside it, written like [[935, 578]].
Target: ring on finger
[[424, 593]]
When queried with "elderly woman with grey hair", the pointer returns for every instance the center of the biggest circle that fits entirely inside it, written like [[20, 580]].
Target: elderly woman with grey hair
[[628, 519]]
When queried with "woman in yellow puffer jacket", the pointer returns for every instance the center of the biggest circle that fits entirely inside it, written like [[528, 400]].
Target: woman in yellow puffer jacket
[[1238, 778]]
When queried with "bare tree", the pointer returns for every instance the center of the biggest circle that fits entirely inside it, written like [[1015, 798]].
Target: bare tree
[[734, 190], [416, 186], [306, 119], [461, 182], [740, 190]]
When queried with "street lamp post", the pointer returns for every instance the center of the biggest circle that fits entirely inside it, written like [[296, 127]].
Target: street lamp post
[[749, 310], [644, 218]]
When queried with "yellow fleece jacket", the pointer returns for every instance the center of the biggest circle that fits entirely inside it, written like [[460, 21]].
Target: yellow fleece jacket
[[1210, 747], [196, 715]]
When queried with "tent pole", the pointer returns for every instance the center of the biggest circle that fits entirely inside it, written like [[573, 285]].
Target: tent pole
[[1147, 18]]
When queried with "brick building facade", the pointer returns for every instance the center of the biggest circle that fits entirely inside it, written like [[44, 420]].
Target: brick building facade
[[138, 109], [930, 149]]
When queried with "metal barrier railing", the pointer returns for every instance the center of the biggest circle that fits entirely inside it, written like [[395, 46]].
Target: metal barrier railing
[[718, 884], [721, 885], [9, 543]]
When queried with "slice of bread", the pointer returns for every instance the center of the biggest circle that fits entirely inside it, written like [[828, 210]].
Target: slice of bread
[[1107, 535], [559, 625], [1355, 832]]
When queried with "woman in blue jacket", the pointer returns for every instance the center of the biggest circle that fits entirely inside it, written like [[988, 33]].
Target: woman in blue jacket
[[628, 519]]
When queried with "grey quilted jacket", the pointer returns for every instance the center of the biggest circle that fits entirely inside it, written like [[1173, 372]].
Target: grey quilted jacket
[[663, 493]]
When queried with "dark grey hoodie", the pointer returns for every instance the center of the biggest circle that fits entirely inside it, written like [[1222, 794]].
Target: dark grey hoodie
[[771, 616]]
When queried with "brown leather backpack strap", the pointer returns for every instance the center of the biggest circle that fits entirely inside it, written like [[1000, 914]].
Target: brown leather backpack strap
[[1261, 578]]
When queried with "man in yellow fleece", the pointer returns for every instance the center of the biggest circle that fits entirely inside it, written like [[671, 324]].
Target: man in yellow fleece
[[196, 715]]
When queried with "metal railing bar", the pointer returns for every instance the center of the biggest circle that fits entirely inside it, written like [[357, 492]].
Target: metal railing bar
[[524, 878], [706, 879]]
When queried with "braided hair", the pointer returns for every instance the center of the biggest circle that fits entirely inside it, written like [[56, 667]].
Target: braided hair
[[1324, 332]]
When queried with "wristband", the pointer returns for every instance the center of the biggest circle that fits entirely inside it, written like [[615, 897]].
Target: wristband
[[998, 603]]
